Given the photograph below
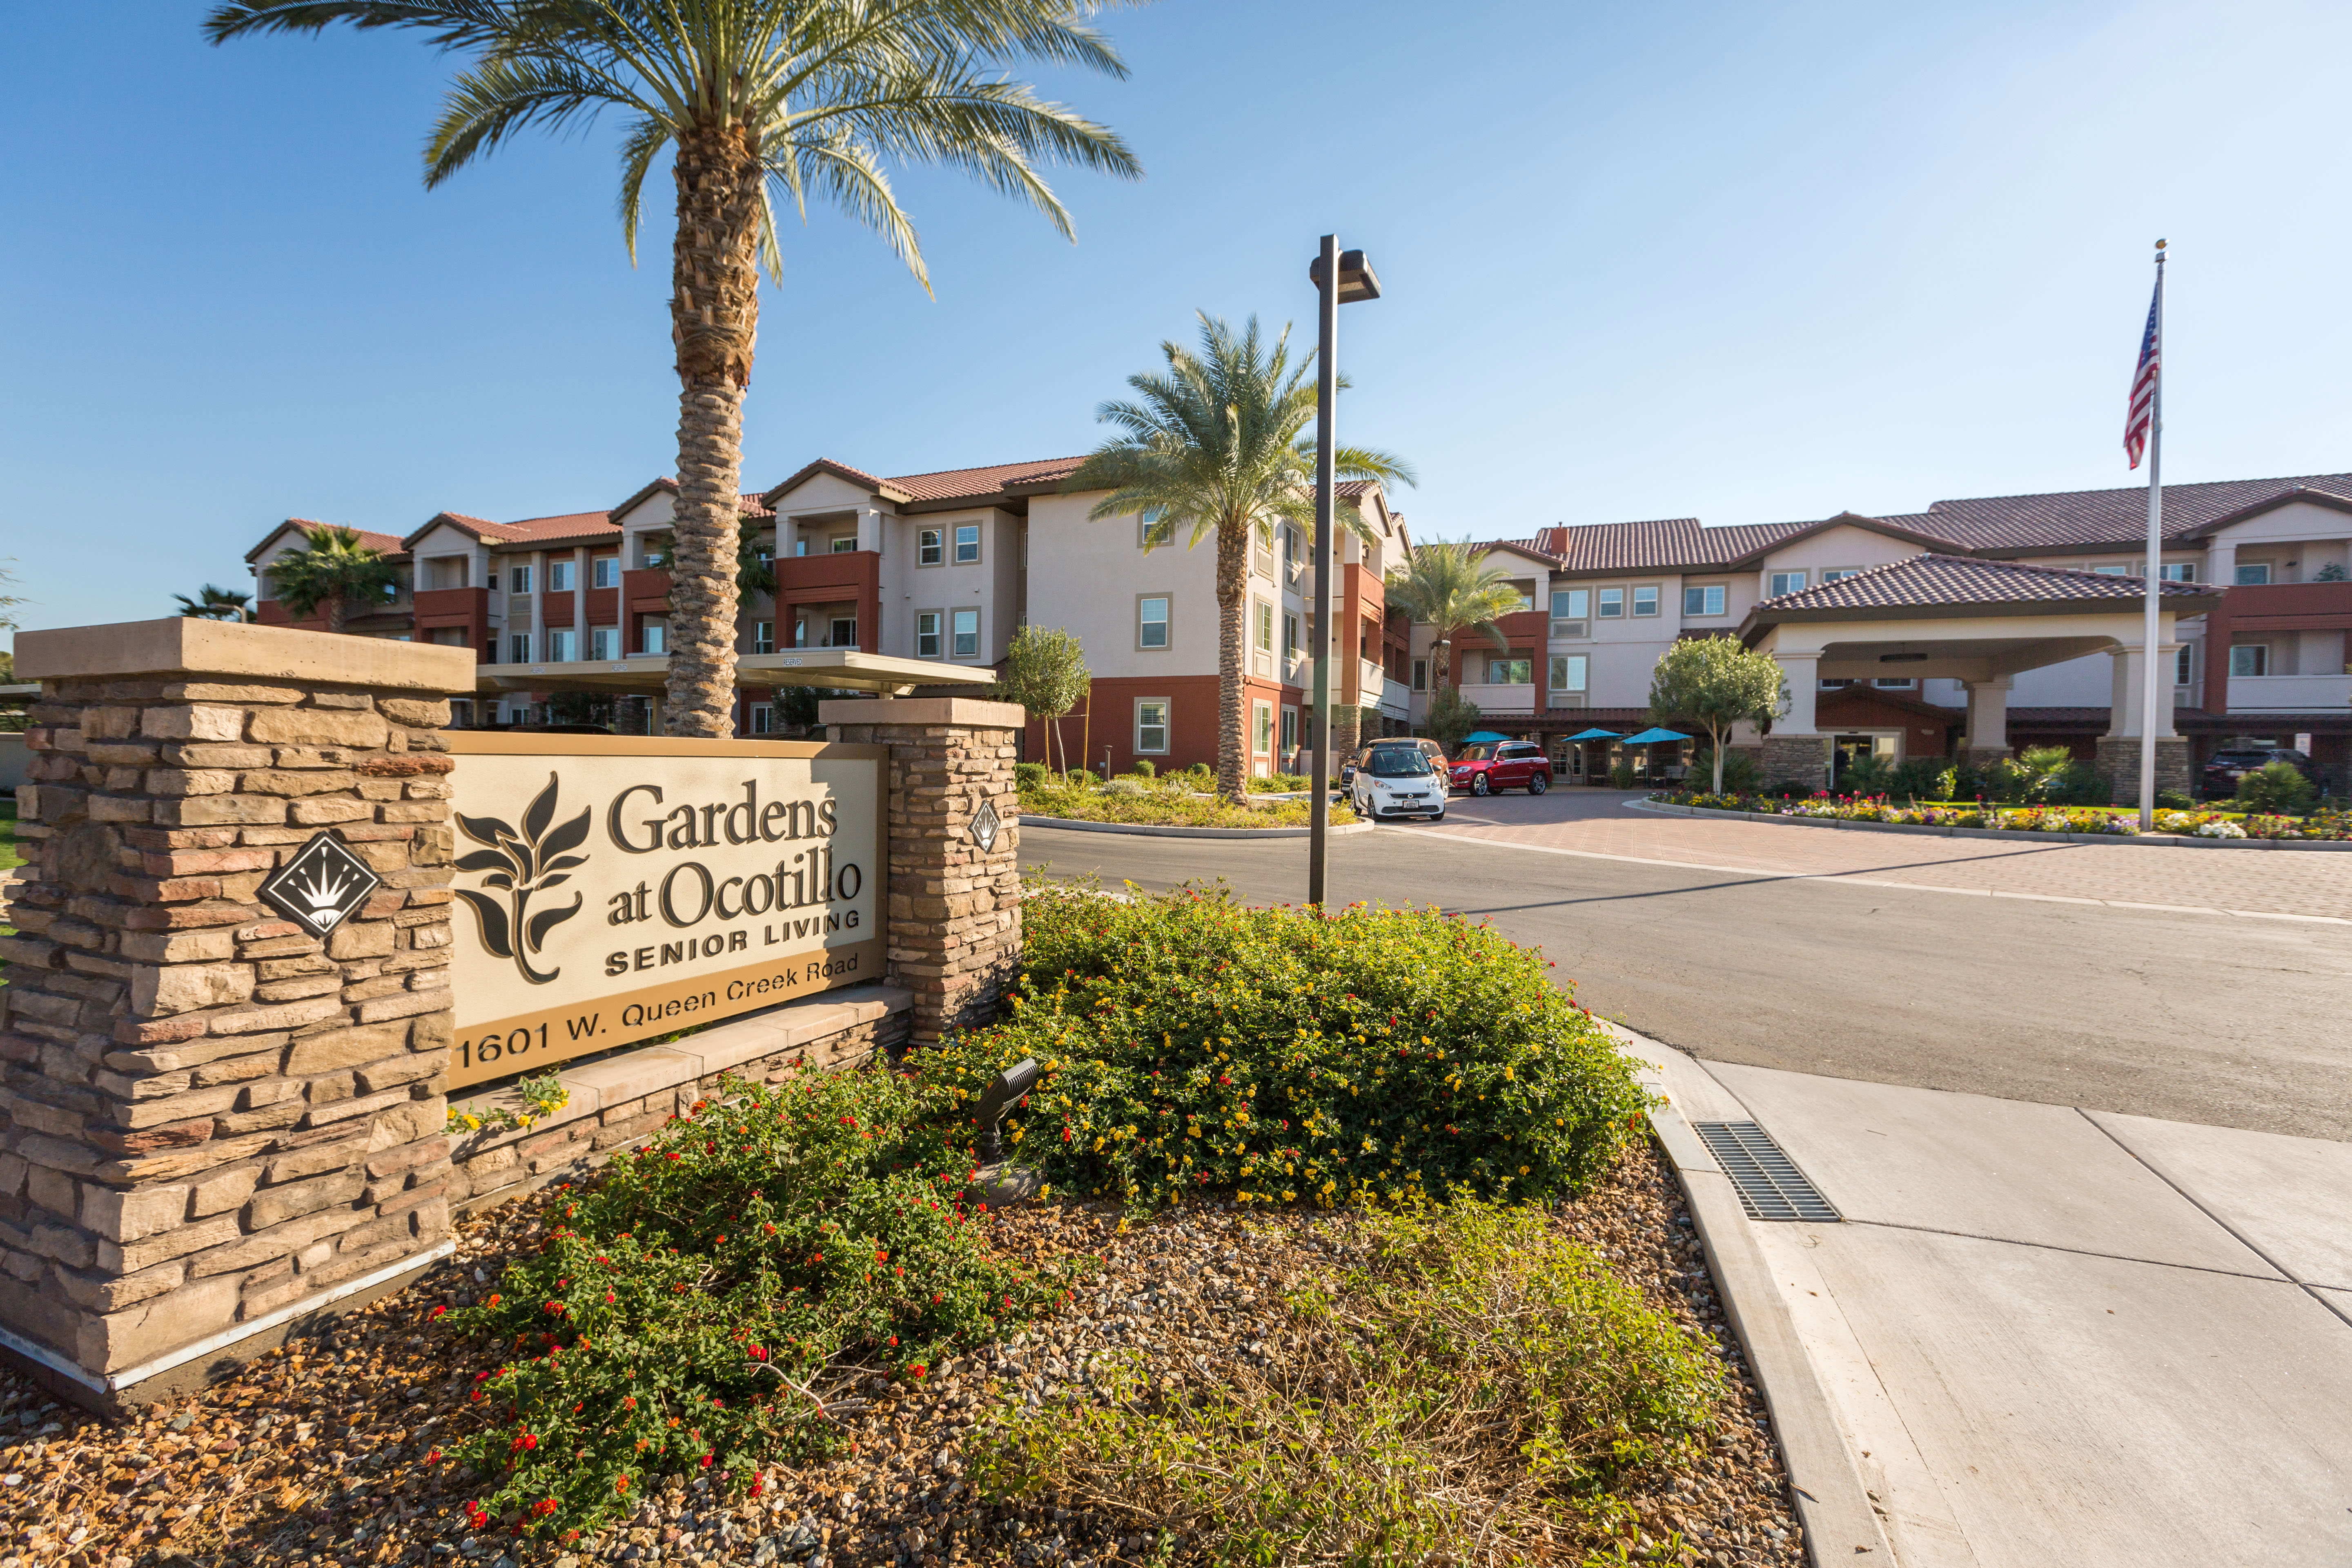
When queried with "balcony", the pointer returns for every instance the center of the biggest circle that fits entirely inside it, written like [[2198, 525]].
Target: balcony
[[2287, 606], [1396, 700], [2290, 694], [1491, 698], [1369, 678]]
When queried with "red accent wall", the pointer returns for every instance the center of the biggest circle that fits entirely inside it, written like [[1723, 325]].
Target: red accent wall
[[555, 615], [852, 574], [1192, 722], [438, 608], [1859, 708], [604, 608]]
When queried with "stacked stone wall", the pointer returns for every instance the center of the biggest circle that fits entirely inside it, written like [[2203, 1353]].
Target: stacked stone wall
[[206, 1114]]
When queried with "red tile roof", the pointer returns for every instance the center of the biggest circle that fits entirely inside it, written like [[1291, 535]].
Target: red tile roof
[[979, 484], [2081, 518], [1953, 580], [1660, 544], [389, 543]]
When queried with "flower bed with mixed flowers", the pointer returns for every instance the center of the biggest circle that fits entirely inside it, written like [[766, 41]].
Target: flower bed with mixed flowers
[[2111, 821]]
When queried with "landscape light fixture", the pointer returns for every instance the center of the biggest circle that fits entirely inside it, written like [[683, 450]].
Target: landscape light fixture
[[1000, 1098], [1340, 278]]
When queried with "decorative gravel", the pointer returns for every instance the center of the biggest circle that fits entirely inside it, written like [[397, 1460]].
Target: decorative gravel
[[313, 1455]]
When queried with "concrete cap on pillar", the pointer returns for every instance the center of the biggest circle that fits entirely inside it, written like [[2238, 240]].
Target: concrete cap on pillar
[[190, 645]]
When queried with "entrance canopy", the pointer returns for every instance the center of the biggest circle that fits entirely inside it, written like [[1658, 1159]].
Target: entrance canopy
[[838, 668]]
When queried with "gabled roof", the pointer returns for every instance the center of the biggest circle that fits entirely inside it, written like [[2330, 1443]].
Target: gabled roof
[[983, 484], [1659, 545], [1527, 547], [1949, 584], [753, 505], [389, 543], [858, 477], [2080, 518]]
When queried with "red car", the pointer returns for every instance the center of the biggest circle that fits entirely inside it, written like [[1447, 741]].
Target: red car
[[1495, 765]]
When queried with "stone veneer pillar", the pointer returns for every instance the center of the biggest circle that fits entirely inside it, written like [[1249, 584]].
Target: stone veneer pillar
[[1799, 760], [2118, 762], [213, 1121], [954, 920]]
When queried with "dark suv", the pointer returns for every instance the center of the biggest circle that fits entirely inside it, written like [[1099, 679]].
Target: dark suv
[[2224, 768]]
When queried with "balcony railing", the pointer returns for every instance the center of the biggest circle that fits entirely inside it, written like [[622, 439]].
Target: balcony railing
[[1369, 677], [1496, 698], [1396, 699], [2290, 694]]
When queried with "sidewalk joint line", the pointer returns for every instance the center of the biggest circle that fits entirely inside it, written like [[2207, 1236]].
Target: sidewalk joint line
[[2282, 1277]]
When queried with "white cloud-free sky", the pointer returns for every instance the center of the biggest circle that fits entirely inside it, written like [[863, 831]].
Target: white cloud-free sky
[[1642, 259]]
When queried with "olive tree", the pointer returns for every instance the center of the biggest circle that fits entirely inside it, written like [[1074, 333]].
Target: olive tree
[[1713, 683], [1045, 672]]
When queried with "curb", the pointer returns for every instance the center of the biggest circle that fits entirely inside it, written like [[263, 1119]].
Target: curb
[[1832, 1503], [2146, 840], [1154, 830]]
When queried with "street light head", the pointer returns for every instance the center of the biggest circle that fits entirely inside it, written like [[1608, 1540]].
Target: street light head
[[1356, 279]]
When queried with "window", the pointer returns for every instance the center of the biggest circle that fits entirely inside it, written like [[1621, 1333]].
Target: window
[[1645, 600], [842, 544], [1567, 672], [1835, 684], [2181, 663], [1502, 670], [1290, 551], [1290, 633], [604, 572], [2110, 570], [559, 576], [927, 634], [1420, 675], [653, 637], [800, 545], [1708, 600], [841, 631], [964, 634], [1894, 683], [653, 552], [1152, 530], [562, 647], [1262, 625], [1151, 620], [2180, 571], [491, 581], [967, 543], [1787, 583], [519, 648], [604, 642], [2250, 657], [1151, 726], [1613, 604], [763, 636], [1570, 606], [1839, 573], [1289, 730], [2252, 574], [763, 719], [931, 547], [1261, 727]]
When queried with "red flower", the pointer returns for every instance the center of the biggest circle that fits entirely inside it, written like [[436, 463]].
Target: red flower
[[543, 1507], [622, 1485], [706, 1461], [437, 1312]]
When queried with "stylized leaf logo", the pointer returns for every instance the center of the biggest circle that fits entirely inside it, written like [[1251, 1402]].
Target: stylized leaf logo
[[521, 865]]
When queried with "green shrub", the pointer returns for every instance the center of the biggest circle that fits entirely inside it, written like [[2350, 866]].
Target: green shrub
[[2276, 789], [1622, 776], [1464, 1397], [1190, 1043], [1867, 775], [1080, 777], [1922, 778], [1143, 768], [1283, 784], [1029, 776], [1741, 772], [2077, 784], [2174, 800], [790, 1238]]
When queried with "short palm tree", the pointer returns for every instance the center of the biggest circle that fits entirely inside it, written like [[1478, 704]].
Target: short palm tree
[[333, 569], [1215, 445], [758, 99], [213, 604], [1445, 586]]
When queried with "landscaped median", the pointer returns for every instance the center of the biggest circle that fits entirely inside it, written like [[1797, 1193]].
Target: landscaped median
[[1352, 1248], [1177, 804], [2202, 827]]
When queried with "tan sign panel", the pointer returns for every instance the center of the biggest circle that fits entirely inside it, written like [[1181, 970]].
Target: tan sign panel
[[614, 889]]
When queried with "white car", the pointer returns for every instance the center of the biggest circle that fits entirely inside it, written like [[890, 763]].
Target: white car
[[1397, 781]]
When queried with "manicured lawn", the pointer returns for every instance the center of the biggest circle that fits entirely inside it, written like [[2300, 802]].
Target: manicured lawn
[[8, 856]]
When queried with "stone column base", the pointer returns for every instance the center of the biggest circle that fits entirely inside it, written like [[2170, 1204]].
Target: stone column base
[[2118, 764], [1799, 760]]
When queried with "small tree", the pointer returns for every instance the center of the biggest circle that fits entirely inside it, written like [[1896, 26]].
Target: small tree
[[1714, 683], [1451, 717], [1045, 672]]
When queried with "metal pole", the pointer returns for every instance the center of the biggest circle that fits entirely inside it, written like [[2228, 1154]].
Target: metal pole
[[1327, 343], [2150, 689]]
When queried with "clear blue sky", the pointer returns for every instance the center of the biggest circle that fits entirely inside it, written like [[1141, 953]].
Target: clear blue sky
[[1743, 262]]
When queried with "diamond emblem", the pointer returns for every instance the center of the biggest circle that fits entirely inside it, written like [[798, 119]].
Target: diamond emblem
[[321, 886], [984, 824]]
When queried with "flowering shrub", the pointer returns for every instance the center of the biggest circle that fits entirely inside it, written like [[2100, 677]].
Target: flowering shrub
[[2215, 828], [1186, 1043], [700, 1304], [1169, 802], [2120, 821], [542, 1096]]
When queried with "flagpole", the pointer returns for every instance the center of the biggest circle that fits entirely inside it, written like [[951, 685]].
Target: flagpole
[[2151, 689]]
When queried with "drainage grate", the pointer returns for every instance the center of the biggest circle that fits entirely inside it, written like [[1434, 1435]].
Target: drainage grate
[[1769, 1184]]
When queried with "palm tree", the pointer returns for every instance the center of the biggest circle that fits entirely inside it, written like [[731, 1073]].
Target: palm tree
[[1443, 585], [758, 99], [212, 604], [1216, 444], [333, 569]]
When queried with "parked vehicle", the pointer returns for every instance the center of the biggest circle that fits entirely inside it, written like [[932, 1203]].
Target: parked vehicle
[[1421, 743], [1494, 765], [1396, 781], [2224, 768]]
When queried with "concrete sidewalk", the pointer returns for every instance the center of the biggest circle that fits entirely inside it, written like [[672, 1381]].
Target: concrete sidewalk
[[2058, 1337]]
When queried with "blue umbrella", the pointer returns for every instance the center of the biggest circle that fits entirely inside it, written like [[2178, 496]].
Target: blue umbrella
[[1596, 735], [1484, 736], [1651, 737]]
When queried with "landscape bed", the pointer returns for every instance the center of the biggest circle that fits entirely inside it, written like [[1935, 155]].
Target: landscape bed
[[2114, 820], [1171, 801], [1351, 1250]]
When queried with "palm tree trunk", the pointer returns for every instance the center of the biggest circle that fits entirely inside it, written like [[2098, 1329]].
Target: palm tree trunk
[[1441, 659], [337, 613], [714, 318], [1232, 745]]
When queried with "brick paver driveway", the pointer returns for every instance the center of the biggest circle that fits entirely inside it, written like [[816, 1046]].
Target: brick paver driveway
[[2274, 884]]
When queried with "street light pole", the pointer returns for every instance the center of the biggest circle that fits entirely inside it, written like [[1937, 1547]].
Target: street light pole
[[1327, 343]]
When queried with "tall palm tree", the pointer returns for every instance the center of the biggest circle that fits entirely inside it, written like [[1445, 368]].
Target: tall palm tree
[[1216, 444], [333, 569], [758, 98], [212, 604], [1443, 585]]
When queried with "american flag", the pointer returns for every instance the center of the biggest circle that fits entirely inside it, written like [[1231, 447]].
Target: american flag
[[2143, 391]]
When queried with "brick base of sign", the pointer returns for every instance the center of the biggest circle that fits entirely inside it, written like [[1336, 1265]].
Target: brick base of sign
[[618, 1101], [212, 1117], [2118, 764], [1799, 760], [955, 901]]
